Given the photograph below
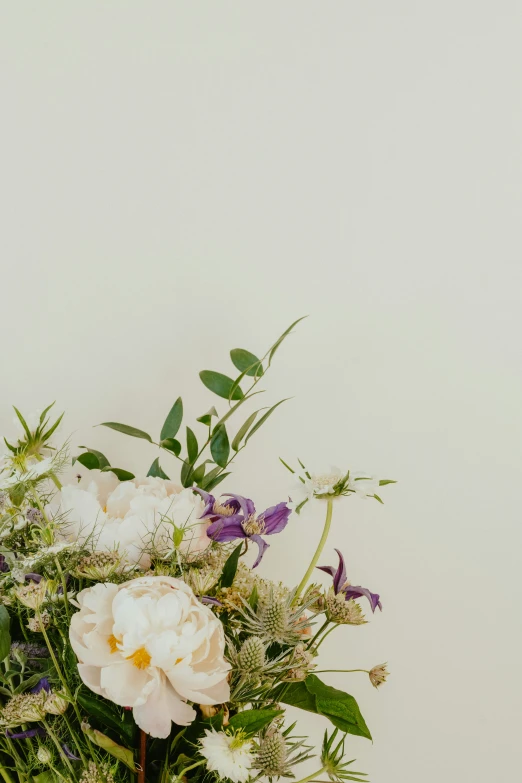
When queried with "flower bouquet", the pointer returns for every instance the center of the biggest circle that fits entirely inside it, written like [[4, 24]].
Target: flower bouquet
[[138, 641]]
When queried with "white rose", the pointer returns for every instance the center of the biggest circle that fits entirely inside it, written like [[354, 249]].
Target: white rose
[[133, 517], [151, 645]]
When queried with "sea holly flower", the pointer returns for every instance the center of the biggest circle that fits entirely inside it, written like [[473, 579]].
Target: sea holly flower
[[227, 754], [236, 518], [342, 587], [151, 645]]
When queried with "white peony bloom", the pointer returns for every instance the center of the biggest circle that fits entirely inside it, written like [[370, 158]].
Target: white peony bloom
[[228, 755], [151, 645], [133, 517]]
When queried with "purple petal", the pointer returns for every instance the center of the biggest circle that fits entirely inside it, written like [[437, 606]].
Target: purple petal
[[246, 505], [263, 546], [69, 754], [207, 599], [42, 685], [340, 574], [330, 570], [209, 502], [34, 577], [226, 529], [275, 518], [3, 565], [359, 592], [39, 731]]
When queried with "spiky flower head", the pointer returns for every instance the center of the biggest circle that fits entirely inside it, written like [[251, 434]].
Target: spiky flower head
[[39, 622], [32, 595], [272, 755], [203, 579], [100, 566], [339, 610], [378, 675], [97, 773], [23, 708], [252, 654]]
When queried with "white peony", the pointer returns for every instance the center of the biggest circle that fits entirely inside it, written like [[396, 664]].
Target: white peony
[[132, 517], [151, 645], [228, 755]]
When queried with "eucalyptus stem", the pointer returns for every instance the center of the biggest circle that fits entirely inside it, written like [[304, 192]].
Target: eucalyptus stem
[[318, 551]]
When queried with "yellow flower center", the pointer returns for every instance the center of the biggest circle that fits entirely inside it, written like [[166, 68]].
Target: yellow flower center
[[113, 643], [141, 659], [254, 525], [224, 511]]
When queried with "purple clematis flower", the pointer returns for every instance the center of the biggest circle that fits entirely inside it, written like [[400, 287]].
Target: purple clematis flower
[[340, 584], [237, 518]]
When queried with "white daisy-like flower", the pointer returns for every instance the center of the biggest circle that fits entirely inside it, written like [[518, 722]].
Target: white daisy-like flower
[[34, 469], [363, 484], [227, 754]]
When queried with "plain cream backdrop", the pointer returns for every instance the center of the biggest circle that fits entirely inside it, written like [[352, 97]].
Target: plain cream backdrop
[[181, 178]]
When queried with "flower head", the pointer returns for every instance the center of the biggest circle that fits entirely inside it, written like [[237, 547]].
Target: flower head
[[378, 675], [236, 518], [23, 708], [32, 595], [151, 645], [227, 754], [341, 586]]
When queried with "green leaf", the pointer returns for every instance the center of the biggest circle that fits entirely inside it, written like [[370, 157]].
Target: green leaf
[[242, 431], [45, 412], [102, 459], [173, 421], [171, 444], [246, 362], [104, 713], [192, 446], [103, 741], [212, 474], [22, 422], [10, 446], [230, 567], [126, 430], [252, 721], [264, 418], [199, 472], [220, 384], [5, 636], [278, 342], [340, 708], [155, 470], [47, 435], [122, 475], [206, 419], [186, 474], [88, 460], [286, 466], [215, 481], [383, 482], [50, 777], [219, 446], [177, 538], [378, 498]]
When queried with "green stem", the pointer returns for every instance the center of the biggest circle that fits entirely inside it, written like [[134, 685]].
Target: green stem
[[6, 776], [326, 634], [319, 632], [344, 671], [318, 551], [64, 588], [59, 748], [311, 777], [56, 481], [192, 766]]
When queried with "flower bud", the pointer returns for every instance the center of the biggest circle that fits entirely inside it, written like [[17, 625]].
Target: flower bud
[[56, 704], [252, 654], [378, 675], [44, 755]]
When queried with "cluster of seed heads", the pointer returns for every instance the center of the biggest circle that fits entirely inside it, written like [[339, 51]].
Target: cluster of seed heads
[[97, 773], [99, 566], [339, 610]]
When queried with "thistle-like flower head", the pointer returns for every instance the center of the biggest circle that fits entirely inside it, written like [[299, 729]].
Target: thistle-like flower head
[[378, 675]]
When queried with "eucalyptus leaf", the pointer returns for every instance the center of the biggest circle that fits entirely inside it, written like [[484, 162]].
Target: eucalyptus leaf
[[172, 445], [126, 430], [279, 340], [219, 446], [192, 446], [173, 421], [5, 636], [242, 431], [102, 459], [264, 418], [220, 384], [88, 460], [206, 419], [156, 470], [215, 481], [252, 721], [122, 475], [186, 474], [246, 362]]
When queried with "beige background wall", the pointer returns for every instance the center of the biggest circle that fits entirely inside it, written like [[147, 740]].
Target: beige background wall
[[180, 178]]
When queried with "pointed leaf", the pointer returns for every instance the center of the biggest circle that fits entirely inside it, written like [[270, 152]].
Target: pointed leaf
[[173, 421], [103, 741], [186, 474], [278, 342], [192, 446], [102, 459], [45, 412], [123, 475], [230, 567], [22, 422], [215, 481], [220, 384], [252, 721], [88, 460], [242, 431], [5, 636], [383, 482], [156, 471], [55, 426], [219, 446], [172, 445], [126, 430], [264, 418], [246, 362], [206, 419]]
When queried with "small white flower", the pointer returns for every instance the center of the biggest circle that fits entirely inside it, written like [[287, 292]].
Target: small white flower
[[228, 755], [316, 485], [34, 469], [363, 484]]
